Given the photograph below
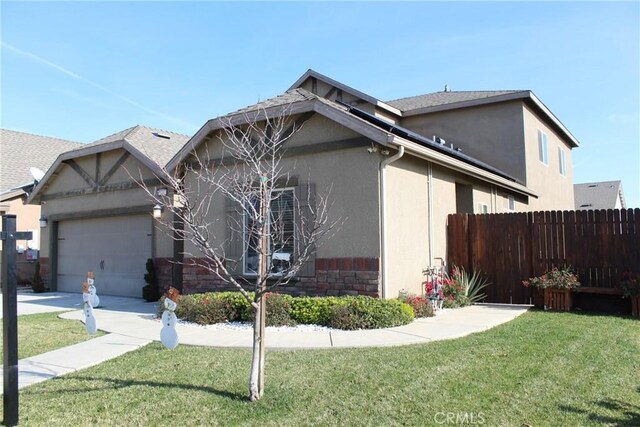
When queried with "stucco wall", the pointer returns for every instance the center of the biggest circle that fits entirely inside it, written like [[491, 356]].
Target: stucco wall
[[408, 218], [556, 190], [407, 225], [491, 133], [349, 177]]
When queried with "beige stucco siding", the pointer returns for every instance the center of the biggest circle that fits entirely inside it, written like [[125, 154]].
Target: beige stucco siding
[[348, 177], [556, 190], [491, 133], [407, 225], [407, 199], [105, 203]]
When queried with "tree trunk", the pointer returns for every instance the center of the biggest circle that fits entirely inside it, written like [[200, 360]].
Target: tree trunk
[[256, 380]]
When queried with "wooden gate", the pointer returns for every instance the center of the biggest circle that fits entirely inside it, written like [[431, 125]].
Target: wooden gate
[[509, 248]]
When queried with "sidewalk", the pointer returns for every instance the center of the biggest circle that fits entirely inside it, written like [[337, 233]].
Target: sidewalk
[[131, 324], [449, 324]]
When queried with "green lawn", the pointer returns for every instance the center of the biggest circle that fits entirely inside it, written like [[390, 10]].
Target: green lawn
[[40, 333], [542, 369]]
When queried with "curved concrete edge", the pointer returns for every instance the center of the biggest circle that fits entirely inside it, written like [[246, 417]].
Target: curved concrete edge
[[447, 325]]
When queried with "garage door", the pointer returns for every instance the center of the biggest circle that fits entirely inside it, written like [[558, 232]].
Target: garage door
[[114, 248]]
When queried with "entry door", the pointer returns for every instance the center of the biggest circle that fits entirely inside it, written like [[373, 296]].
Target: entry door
[[114, 248]]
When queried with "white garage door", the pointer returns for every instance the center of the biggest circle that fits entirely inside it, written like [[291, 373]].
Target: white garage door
[[115, 249]]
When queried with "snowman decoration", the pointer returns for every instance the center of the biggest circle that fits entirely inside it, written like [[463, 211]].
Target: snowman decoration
[[89, 318], [168, 334], [95, 300]]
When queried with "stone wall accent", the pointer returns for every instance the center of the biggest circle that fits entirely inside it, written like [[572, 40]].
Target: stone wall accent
[[44, 270], [334, 277], [164, 270]]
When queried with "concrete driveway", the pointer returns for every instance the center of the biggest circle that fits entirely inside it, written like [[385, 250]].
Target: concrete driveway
[[47, 302]]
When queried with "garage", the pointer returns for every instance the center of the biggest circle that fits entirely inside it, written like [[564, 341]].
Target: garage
[[115, 248]]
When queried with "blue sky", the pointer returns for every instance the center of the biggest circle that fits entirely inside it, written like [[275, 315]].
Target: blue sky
[[84, 70]]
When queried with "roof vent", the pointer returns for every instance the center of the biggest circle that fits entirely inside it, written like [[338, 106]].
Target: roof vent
[[160, 135], [593, 185], [586, 205]]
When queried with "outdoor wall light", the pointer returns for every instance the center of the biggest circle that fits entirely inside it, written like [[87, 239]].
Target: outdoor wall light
[[161, 192], [43, 221], [157, 211]]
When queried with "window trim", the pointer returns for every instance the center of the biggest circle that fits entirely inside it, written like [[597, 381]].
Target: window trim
[[245, 271], [543, 147], [562, 159]]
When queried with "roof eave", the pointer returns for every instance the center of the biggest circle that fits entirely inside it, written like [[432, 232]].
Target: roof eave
[[370, 99], [463, 167], [525, 95], [236, 119]]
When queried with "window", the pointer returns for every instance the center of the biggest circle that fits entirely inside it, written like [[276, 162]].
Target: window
[[563, 162], [509, 203], [483, 208], [281, 231], [542, 147]]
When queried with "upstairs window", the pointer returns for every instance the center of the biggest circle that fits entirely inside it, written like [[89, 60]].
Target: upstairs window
[[280, 245], [543, 148], [563, 162]]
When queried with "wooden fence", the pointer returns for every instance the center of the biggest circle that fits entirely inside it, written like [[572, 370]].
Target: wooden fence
[[509, 248]]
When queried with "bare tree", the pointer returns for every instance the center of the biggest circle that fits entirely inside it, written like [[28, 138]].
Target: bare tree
[[280, 230]]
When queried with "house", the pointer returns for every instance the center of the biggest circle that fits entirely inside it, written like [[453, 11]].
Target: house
[[98, 218], [395, 173], [20, 153], [599, 195], [511, 130]]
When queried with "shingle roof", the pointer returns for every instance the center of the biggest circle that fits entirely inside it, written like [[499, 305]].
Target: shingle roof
[[20, 151], [443, 98], [598, 195], [158, 145], [289, 97]]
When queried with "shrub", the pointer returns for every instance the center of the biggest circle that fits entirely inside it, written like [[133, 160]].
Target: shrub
[[453, 293], [369, 313], [471, 285], [359, 312], [421, 306], [630, 284], [313, 310], [204, 309], [151, 292], [278, 308], [37, 284]]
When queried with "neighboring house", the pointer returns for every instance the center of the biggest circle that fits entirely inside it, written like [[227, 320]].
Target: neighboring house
[[19, 152], [98, 218], [599, 195], [392, 183]]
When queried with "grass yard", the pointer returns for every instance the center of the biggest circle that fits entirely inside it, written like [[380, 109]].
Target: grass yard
[[542, 369], [40, 333]]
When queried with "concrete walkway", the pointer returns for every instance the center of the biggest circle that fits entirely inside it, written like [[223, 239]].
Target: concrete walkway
[[449, 324], [131, 324]]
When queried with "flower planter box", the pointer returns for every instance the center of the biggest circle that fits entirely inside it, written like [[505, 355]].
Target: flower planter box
[[557, 299], [635, 305]]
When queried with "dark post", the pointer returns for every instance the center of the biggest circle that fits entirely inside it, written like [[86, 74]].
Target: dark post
[[10, 317]]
